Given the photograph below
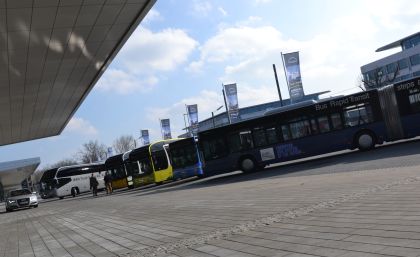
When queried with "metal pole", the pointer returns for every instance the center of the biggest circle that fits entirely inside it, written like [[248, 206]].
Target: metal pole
[[277, 83], [285, 75], [185, 124], [224, 98]]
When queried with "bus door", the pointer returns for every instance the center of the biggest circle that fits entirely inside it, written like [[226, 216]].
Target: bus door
[[161, 165]]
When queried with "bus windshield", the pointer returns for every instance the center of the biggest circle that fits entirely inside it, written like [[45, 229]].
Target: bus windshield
[[185, 155]]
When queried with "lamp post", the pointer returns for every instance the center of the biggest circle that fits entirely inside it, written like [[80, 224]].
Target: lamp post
[[187, 129], [212, 114]]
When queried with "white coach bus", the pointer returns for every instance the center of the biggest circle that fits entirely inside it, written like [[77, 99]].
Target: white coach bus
[[74, 180]]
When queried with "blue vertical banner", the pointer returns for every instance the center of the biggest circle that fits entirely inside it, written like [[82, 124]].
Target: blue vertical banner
[[294, 80], [145, 136], [192, 111], [231, 94], [165, 126]]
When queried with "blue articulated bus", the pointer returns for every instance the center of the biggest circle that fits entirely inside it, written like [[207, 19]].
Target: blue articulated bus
[[360, 120], [185, 159]]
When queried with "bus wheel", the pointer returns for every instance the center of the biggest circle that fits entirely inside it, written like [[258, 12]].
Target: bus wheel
[[365, 141], [248, 164], [73, 192], [61, 197]]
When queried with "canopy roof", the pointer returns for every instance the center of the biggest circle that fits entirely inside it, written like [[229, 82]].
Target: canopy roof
[[14, 172], [51, 55]]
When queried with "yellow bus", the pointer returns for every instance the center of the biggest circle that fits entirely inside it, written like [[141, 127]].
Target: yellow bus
[[149, 164], [115, 165]]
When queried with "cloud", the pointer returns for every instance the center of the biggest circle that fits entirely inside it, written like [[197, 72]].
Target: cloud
[[148, 52], [81, 126], [222, 11], [238, 43], [206, 100], [201, 8], [145, 56], [121, 82], [261, 1], [329, 60], [152, 16]]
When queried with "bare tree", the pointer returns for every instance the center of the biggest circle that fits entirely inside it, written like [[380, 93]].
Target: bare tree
[[92, 151], [124, 143], [65, 162], [379, 78]]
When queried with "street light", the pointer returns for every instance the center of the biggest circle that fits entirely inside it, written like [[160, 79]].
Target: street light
[[212, 114]]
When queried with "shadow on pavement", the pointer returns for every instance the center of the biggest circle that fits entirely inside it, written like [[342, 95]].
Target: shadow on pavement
[[306, 167]]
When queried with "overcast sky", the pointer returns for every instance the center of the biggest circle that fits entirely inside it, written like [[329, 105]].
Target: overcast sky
[[184, 51]]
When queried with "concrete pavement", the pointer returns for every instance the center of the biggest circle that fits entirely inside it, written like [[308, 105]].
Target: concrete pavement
[[370, 210]]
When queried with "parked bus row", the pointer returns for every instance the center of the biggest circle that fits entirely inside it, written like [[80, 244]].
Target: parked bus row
[[311, 128]]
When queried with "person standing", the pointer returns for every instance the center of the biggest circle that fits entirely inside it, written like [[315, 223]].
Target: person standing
[[94, 185], [108, 183]]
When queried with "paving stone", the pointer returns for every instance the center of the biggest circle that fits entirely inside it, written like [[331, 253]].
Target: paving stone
[[372, 212]]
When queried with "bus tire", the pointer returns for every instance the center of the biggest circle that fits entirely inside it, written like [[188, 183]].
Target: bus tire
[[248, 164], [365, 140], [73, 192], [61, 197]]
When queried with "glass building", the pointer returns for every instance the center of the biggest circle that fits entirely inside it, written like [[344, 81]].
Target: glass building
[[396, 67]]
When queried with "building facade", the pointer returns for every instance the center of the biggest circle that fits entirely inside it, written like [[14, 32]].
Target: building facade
[[12, 173], [396, 67]]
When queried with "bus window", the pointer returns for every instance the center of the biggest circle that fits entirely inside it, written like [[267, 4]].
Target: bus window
[[336, 121], [145, 167], [358, 115], [286, 132], [214, 148], [176, 158], [272, 136], [324, 125], [160, 162], [259, 137], [314, 126], [234, 142], [133, 168], [300, 129], [415, 102], [246, 140]]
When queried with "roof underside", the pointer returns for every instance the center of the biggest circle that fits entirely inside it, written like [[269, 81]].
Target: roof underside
[[51, 55], [395, 44], [14, 172]]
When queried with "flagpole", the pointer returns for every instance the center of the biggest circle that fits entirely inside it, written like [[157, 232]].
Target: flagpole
[[277, 83]]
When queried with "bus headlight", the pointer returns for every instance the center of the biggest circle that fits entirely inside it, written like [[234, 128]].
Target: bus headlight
[[129, 178], [130, 183]]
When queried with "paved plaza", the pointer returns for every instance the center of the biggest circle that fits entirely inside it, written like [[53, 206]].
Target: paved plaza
[[352, 204]]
